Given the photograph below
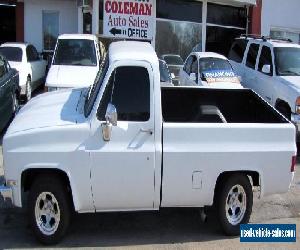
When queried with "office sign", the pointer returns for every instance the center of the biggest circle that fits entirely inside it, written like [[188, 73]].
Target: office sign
[[132, 19]]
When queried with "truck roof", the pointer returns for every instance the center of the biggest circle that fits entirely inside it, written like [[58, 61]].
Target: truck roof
[[132, 50], [15, 44], [78, 36]]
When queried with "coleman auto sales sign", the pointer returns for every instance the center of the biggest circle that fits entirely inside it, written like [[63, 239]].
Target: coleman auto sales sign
[[132, 19]]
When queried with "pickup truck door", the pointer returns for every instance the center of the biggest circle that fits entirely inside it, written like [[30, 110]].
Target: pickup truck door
[[122, 170], [38, 66], [265, 81]]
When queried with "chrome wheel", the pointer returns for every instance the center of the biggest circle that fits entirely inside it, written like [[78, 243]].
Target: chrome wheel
[[236, 204], [15, 103], [47, 213], [28, 89]]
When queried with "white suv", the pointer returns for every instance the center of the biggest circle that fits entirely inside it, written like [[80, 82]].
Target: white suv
[[272, 69]]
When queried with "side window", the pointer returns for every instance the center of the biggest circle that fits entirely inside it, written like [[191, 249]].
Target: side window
[[2, 68], [31, 53], [129, 90], [35, 53], [252, 55], [187, 67], [237, 51], [194, 67], [265, 59]]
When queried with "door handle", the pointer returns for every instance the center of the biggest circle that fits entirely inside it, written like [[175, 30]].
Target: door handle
[[148, 131]]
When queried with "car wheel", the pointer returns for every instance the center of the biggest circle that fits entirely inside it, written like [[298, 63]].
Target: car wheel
[[49, 209], [15, 103], [234, 203], [28, 89]]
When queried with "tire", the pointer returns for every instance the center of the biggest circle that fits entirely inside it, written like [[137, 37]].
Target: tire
[[50, 204], [15, 104], [28, 89], [234, 210]]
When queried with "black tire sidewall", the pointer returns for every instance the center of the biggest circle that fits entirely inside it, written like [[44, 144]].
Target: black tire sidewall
[[237, 179], [60, 192]]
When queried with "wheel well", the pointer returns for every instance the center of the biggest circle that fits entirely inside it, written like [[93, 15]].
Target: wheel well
[[252, 175], [28, 177], [281, 103]]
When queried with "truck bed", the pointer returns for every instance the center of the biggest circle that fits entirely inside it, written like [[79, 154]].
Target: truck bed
[[207, 132], [199, 105]]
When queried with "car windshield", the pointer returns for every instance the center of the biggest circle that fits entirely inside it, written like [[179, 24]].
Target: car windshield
[[173, 59], [13, 54], [287, 61], [164, 72], [78, 52], [94, 89], [213, 64]]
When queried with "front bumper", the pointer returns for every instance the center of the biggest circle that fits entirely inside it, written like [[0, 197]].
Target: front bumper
[[6, 196], [295, 119]]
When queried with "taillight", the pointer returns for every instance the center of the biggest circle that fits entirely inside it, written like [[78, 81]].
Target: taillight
[[293, 166]]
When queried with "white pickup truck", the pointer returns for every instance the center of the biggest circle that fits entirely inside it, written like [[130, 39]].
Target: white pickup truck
[[126, 144]]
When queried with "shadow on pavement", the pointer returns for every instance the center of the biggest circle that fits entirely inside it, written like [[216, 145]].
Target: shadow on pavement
[[170, 226]]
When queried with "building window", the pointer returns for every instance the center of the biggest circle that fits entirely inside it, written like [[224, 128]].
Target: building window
[[176, 31], [226, 15], [180, 10], [220, 39], [50, 29], [224, 24]]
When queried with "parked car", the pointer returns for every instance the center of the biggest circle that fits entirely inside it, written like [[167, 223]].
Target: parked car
[[272, 69], [165, 75], [25, 59], [128, 144], [9, 92], [208, 69], [175, 64], [76, 61]]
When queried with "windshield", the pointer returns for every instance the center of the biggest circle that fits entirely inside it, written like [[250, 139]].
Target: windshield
[[287, 61], [173, 59], [213, 64], [164, 72], [13, 54], [94, 89], [77, 52]]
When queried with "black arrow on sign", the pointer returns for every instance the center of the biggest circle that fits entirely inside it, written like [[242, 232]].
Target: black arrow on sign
[[115, 31]]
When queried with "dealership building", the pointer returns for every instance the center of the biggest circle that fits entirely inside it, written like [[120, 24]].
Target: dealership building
[[172, 26]]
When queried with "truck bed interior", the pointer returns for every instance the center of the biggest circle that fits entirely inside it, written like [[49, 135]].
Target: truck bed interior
[[199, 105]]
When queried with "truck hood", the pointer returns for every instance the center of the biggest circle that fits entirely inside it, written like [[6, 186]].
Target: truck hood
[[294, 81], [59, 108], [64, 76]]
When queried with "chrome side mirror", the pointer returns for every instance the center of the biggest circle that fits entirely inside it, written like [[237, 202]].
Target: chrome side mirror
[[266, 69], [111, 115], [111, 118]]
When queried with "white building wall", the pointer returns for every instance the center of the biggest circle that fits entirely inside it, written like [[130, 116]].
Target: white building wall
[[280, 14], [33, 21]]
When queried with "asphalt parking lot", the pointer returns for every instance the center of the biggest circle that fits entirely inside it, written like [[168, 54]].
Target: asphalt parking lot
[[169, 229]]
